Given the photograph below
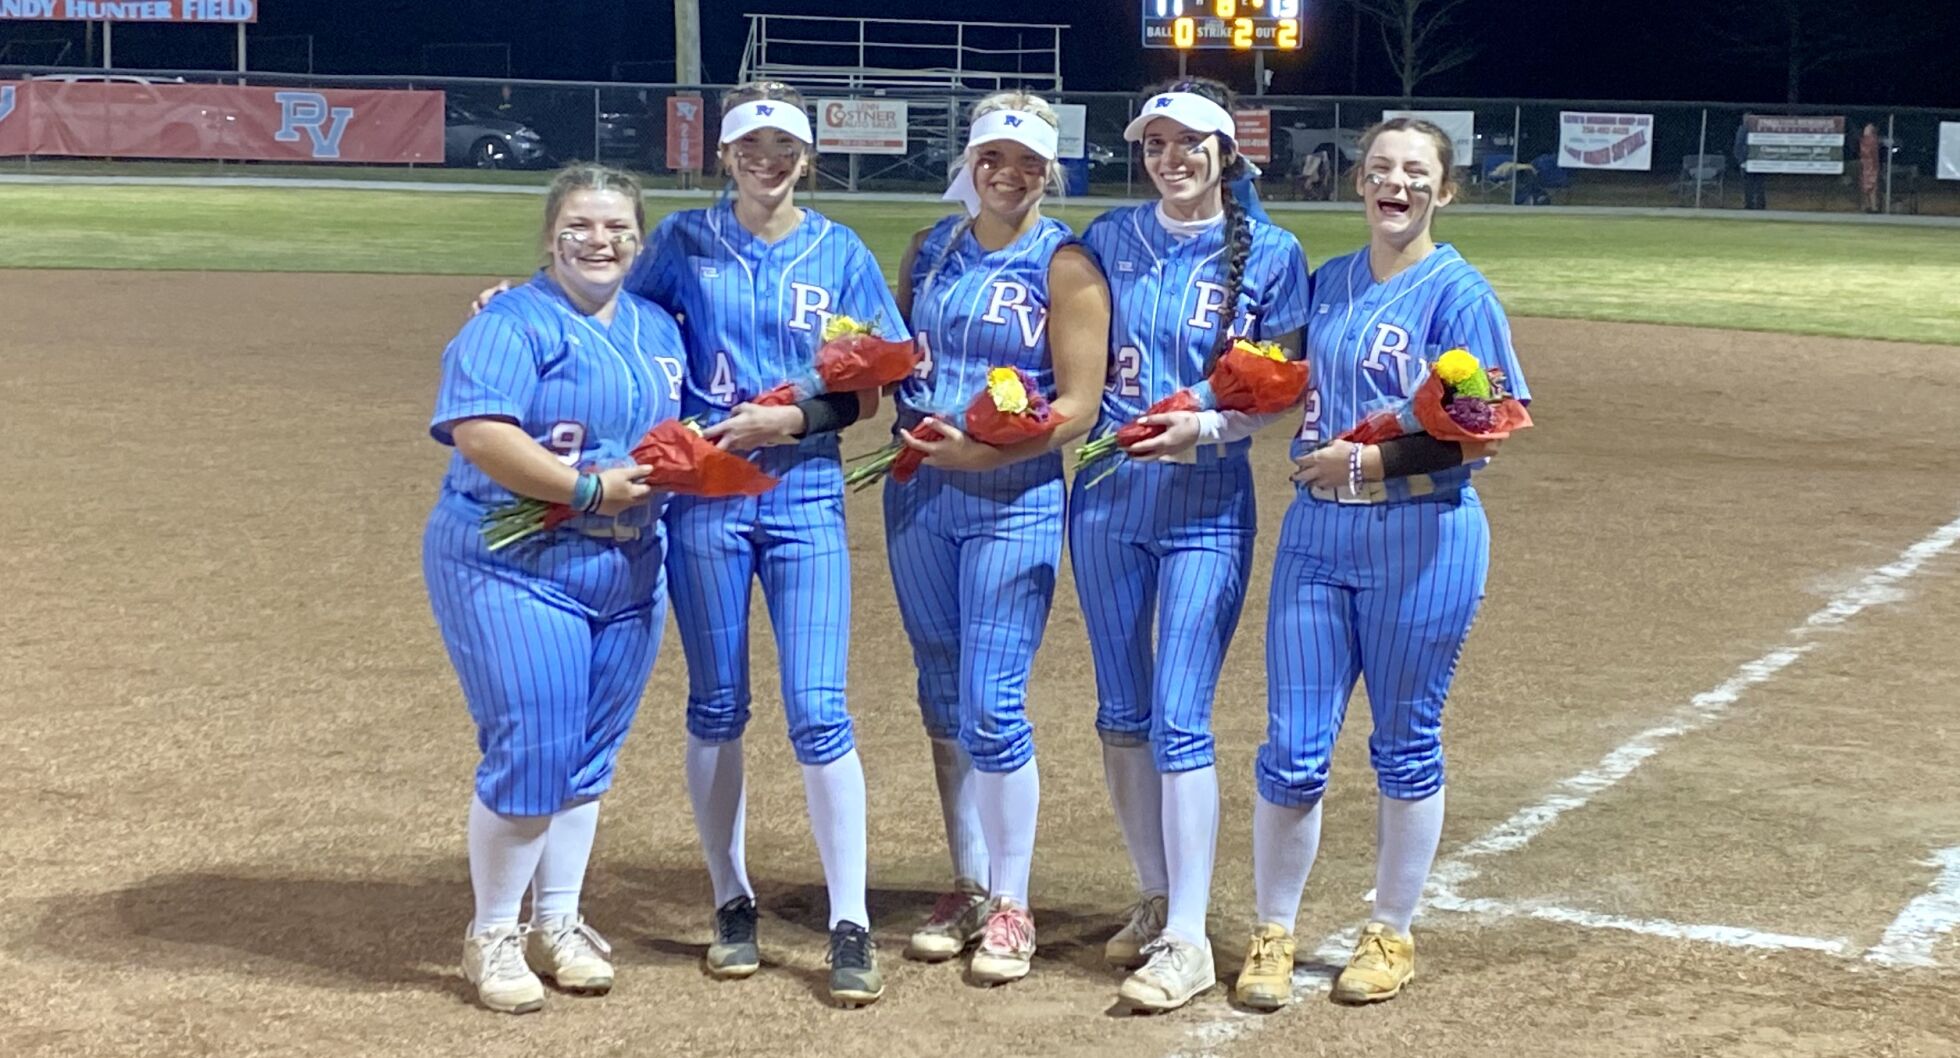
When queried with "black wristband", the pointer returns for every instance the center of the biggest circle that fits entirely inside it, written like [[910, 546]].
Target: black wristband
[[1418, 453], [828, 413]]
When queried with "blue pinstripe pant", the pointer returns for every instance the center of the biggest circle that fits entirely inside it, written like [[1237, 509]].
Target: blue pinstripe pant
[[1169, 544], [553, 643], [793, 539], [973, 559], [1386, 593]]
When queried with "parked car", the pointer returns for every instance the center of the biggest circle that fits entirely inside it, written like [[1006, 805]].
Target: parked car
[[483, 142], [181, 129]]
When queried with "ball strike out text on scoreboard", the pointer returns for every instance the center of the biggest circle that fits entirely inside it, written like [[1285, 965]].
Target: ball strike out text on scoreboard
[[1238, 25]]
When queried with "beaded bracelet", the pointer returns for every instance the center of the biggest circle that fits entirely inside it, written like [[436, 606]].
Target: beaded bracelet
[[1354, 470]]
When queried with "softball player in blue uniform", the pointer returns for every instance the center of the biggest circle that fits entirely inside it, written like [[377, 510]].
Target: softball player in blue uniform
[[553, 641], [1163, 549], [753, 280], [975, 539], [1379, 581]]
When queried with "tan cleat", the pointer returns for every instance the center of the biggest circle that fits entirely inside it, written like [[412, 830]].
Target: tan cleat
[[1145, 922], [1006, 948], [1266, 981], [955, 922], [494, 963], [1382, 963], [571, 954]]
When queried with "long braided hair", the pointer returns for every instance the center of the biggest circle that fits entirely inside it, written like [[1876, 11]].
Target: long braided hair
[[1238, 225], [1025, 102]]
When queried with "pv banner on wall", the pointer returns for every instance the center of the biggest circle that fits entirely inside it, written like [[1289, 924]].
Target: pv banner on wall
[[861, 126], [1795, 145], [94, 119], [1949, 167], [1605, 141], [1460, 124], [686, 135]]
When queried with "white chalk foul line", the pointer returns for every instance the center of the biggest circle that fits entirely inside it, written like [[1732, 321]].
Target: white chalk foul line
[[1909, 941], [1728, 936], [1875, 588]]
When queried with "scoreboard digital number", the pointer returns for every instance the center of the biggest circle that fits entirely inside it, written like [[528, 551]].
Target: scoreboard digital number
[[1227, 25]]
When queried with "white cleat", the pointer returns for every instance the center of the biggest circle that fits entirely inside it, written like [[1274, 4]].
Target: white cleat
[[1177, 971], [494, 963], [572, 954]]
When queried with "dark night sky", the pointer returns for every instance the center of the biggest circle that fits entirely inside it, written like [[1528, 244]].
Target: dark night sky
[[1575, 49]]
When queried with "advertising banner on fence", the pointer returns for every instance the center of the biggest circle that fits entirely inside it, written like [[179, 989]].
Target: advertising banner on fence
[[1460, 124], [103, 120], [1074, 120], [1255, 135], [1605, 141], [14, 122], [1795, 145], [1949, 167], [227, 11], [686, 150], [860, 126]]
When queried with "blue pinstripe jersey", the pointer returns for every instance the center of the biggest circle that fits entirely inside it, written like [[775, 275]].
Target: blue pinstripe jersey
[[981, 310], [586, 391], [1371, 343], [1168, 300], [753, 311]]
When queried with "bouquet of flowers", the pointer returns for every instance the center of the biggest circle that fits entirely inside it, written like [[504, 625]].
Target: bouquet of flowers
[[1008, 410], [683, 462], [1459, 401], [1253, 377], [851, 358]]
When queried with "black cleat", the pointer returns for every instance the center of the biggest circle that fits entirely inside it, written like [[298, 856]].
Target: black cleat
[[733, 953], [854, 977]]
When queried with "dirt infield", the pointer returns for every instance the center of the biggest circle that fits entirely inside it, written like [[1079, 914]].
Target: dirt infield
[[237, 764]]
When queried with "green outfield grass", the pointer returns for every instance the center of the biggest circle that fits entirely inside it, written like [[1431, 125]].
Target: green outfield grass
[[1853, 280]]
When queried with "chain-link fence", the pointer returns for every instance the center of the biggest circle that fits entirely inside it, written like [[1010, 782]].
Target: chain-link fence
[[1690, 155]]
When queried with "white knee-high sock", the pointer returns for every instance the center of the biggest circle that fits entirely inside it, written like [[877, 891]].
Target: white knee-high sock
[[1284, 843], [1406, 836], [555, 885], [1010, 802], [714, 784], [1136, 792], [835, 793], [504, 852], [1190, 844], [953, 771]]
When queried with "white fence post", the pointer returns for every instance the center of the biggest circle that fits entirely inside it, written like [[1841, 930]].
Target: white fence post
[[1701, 156]]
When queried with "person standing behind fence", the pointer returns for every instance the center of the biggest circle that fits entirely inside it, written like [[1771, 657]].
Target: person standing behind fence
[[1868, 163], [552, 643], [975, 540], [1754, 194]]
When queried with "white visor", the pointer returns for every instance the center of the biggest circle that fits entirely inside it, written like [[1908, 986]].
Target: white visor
[[1188, 109], [1020, 126], [766, 114]]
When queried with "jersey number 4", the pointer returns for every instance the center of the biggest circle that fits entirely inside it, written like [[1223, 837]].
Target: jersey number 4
[[721, 386]]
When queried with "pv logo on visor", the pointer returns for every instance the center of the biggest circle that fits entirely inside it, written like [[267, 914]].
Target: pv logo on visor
[[1012, 121], [765, 110]]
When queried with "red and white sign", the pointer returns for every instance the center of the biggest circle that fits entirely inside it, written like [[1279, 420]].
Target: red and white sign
[[94, 119], [686, 143], [227, 11], [1605, 141], [861, 126], [1255, 135]]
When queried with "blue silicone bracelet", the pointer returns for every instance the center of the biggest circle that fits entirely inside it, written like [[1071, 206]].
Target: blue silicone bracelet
[[585, 494]]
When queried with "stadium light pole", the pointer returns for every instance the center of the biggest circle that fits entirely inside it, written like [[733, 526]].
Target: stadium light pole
[[687, 42]]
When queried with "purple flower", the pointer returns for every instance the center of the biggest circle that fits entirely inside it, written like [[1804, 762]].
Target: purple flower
[[1474, 415]]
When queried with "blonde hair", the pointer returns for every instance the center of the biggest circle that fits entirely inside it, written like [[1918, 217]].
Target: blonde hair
[[1020, 102], [758, 91], [1445, 147], [589, 176]]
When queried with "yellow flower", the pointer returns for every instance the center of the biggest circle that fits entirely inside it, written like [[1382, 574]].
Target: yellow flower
[[1269, 350], [1457, 366], [1005, 388], [842, 327]]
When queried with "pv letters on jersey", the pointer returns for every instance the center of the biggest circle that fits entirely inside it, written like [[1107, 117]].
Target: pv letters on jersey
[[1010, 296], [812, 307], [1392, 343]]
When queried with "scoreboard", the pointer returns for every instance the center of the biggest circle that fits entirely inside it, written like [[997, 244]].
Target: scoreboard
[[1229, 25]]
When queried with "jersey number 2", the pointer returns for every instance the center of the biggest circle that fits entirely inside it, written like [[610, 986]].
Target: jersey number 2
[[1310, 422], [1129, 371]]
